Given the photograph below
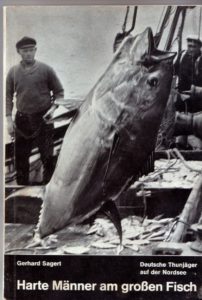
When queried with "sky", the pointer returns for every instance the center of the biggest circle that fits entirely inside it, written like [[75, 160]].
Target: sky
[[77, 40]]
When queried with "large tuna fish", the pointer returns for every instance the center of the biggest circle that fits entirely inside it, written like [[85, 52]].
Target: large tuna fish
[[111, 136]]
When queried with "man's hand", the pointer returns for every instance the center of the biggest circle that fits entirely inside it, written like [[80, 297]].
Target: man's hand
[[190, 92], [49, 114], [185, 95], [194, 91], [10, 126]]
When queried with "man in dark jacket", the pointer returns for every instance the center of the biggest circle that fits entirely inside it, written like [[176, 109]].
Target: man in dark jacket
[[36, 86], [189, 99], [190, 75]]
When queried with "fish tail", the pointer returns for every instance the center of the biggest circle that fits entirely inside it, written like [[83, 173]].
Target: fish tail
[[110, 210]]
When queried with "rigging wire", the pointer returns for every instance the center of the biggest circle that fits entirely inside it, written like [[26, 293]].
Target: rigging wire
[[199, 32], [160, 20], [173, 9], [179, 33], [125, 20]]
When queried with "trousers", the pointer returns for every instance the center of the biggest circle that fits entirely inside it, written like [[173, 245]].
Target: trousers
[[32, 131]]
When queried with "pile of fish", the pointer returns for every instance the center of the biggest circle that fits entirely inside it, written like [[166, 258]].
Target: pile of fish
[[174, 173], [137, 233]]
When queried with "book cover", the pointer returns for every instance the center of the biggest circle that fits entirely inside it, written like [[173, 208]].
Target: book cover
[[103, 152]]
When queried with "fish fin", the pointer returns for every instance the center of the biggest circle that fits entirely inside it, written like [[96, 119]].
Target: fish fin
[[24, 205], [111, 153], [29, 191], [70, 103], [64, 116], [110, 210]]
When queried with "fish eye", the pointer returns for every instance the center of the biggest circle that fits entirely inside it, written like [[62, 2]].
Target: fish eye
[[153, 82]]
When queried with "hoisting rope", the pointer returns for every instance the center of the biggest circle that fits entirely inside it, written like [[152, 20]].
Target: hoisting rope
[[199, 31], [121, 35], [164, 24], [153, 176], [157, 175], [179, 33], [126, 19], [161, 17], [173, 28]]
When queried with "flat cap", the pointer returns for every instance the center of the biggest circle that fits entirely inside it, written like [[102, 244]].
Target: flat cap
[[194, 38], [26, 42]]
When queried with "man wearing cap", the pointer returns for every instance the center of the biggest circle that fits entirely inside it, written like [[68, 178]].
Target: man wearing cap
[[190, 83], [36, 86], [190, 76]]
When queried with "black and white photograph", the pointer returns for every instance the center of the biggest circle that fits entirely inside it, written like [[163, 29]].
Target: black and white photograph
[[103, 151]]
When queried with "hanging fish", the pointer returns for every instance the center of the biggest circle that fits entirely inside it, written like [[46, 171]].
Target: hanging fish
[[111, 137]]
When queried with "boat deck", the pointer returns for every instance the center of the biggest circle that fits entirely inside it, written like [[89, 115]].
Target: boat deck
[[75, 241], [165, 191]]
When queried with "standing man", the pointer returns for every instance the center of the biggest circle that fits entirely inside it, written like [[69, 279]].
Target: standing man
[[189, 99], [36, 86], [190, 75]]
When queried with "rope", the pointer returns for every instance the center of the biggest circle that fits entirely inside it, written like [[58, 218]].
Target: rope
[[126, 33], [164, 23], [156, 174], [161, 17], [183, 222], [179, 155], [179, 33], [125, 20], [165, 134], [172, 28], [173, 10], [199, 32], [170, 14], [171, 229], [134, 20], [175, 221], [144, 203]]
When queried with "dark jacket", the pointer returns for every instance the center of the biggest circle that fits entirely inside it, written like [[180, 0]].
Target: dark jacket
[[190, 74], [190, 69]]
